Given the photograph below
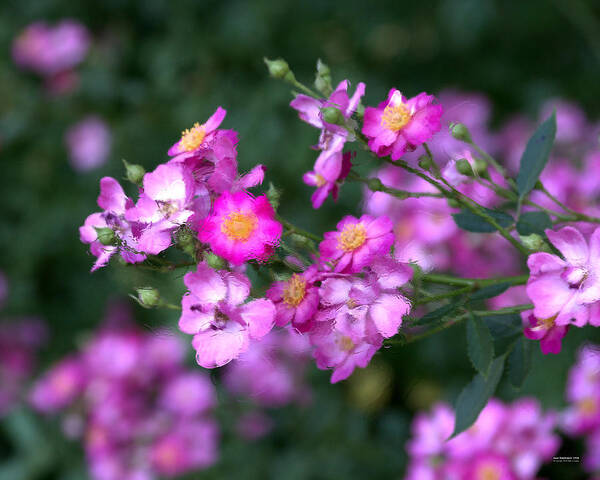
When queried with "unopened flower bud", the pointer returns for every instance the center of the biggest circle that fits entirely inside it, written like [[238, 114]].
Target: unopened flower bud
[[106, 236], [274, 195], [186, 241], [535, 243], [464, 167], [279, 69], [425, 162], [460, 132], [323, 79], [480, 166], [214, 261], [148, 297], [332, 115], [375, 185], [135, 173]]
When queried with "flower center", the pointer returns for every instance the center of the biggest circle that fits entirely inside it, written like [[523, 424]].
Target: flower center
[[220, 321], [295, 290], [352, 237], [587, 406], [239, 226], [346, 343], [166, 208], [320, 180], [545, 323], [396, 114], [192, 138], [351, 303], [488, 472]]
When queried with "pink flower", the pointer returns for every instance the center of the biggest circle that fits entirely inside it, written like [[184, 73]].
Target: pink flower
[[373, 302], [544, 330], [327, 176], [193, 139], [296, 299], [565, 289], [59, 387], [189, 394], [399, 125], [115, 204], [89, 143], [490, 465], [241, 227], [163, 206], [215, 313], [48, 51], [357, 242], [341, 346]]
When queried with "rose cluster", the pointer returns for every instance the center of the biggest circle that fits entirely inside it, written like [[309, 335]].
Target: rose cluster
[[127, 394], [507, 442]]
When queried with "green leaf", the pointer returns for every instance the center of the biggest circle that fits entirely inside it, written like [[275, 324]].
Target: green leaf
[[480, 345], [475, 396], [505, 329], [470, 222], [533, 222], [440, 312], [536, 155], [490, 292], [519, 362]]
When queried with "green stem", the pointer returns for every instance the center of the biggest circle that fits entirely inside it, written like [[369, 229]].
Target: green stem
[[575, 216], [477, 282], [375, 185], [294, 229], [443, 296], [503, 311], [305, 89]]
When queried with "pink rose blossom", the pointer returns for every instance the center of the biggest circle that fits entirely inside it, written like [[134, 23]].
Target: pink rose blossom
[[296, 299], [59, 387], [549, 334], [564, 289], [89, 144], [194, 139], [399, 125], [357, 242], [328, 174], [215, 313], [241, 227]]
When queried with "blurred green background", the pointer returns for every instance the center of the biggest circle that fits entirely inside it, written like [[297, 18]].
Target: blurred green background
[[157, 66]]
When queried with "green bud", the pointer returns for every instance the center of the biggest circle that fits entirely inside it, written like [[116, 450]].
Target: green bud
[[425, 162], [186, 241], [148, 297], [464, 167], [274, 195], [332, 115], [135, 173], [106, 236], [535, 243], [323, 79], [480, 166], [214, 261], [375, 185], [280, 69], [460, 132]]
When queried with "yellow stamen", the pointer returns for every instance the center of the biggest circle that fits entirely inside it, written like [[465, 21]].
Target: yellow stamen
[[295, 291], [346, 343], [192, 138], [239, 226], [545, 323], [352, 237], [320, 180], [396, 114], [351, 303]]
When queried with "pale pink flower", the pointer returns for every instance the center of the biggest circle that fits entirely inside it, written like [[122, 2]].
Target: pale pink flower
[[88, 142], [546, 331]]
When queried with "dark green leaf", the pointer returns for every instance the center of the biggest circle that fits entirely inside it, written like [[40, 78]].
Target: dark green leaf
[[533, 222], [519, 362], [475, 396], [536, 155], [470, 222], [489, 292], [480, 345], [505, 329]]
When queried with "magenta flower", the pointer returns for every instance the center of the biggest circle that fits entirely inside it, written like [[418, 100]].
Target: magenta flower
[[115, 204], [215, 313], [373, 302], [89, 144], [341, 346], [163, 206], [241, 227], [189, 394], [399, 125], [59, 387], [490, 465], [328, 174], [296, 299], [193, 139], [357, 242], [565, 289], [546, 331]]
